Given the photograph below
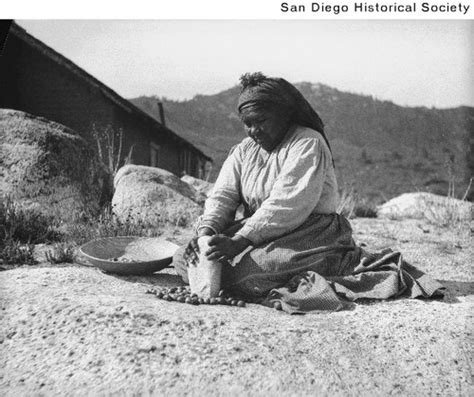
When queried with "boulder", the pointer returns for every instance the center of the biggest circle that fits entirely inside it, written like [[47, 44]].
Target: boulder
[[203, 188], [423, 205], [48, 166], [151, 196]]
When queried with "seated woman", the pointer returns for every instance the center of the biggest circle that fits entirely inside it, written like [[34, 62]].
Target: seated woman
[[291, 248]]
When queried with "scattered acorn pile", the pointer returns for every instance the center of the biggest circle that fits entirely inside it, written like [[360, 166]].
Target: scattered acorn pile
[[184, 295]]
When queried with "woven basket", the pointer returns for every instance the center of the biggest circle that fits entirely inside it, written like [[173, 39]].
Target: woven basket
[[129, 255]]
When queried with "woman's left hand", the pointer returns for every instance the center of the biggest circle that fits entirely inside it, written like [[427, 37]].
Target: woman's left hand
[[226, 248]]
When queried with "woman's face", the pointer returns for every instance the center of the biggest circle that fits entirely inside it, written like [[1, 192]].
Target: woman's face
[[265, 126]]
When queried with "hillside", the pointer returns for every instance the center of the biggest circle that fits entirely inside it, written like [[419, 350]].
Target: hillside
[[380, 149]]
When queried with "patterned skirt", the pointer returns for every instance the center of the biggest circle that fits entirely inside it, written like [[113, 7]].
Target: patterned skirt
[[318, 267]]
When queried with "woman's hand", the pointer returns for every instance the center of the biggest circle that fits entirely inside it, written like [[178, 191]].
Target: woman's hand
[[192, 249], [226, 248]]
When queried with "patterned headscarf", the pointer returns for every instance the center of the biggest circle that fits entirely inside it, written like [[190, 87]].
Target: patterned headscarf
[[257, 89]]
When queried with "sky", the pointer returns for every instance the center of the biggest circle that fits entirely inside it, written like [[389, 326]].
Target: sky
[[410, 62]]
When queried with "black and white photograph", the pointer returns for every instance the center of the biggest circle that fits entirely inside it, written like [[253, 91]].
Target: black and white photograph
[[238, 207]]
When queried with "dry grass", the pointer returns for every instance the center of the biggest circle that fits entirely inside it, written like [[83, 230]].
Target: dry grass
[[26, 225], [347, 203], [16, 253], [353, 206], [21, 229], [109, 149], [106, 224], [61, 253], [453, 213]]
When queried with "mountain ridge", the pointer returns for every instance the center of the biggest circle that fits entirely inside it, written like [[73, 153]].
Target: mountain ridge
[[381, 149]]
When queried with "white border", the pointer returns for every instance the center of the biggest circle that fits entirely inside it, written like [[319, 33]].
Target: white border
[[220, 9]]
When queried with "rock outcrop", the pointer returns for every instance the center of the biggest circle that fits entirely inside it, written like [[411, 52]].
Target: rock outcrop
[[426, 206], [202, 187], [152, 196], [48, 166]]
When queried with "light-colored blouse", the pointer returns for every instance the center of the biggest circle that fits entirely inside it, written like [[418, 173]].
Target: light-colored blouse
[[280, 189]]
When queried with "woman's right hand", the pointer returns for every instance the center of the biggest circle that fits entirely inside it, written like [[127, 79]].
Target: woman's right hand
[[191, 253]]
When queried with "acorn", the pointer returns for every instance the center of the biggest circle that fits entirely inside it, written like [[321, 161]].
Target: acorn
[[184, 295], [277, 305]]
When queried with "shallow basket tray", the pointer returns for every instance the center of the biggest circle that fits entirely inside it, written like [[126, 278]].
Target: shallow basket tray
[[129, 255]]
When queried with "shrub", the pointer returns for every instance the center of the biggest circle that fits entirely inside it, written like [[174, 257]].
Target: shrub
[[352, 206], [365, 209], [25, 225], [109, 150], [109, 147], [347, 203], [453, 213], [108, 225], [14, 253], [61, 253]]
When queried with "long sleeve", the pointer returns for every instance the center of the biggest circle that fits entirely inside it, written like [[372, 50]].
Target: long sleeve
[[220, 207], [294, 195]]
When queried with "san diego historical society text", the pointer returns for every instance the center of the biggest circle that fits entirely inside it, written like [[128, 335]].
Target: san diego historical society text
[[367, 7]]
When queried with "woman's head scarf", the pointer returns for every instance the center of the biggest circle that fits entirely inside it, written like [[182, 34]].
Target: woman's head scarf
[[257, 89]]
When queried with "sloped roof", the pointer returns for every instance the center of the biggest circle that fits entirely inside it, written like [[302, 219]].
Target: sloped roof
[[126, 105]]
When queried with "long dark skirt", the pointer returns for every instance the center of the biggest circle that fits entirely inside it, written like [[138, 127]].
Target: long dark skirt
[[315, 265]]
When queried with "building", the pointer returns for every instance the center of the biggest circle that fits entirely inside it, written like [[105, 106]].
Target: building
[[36, 79]]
